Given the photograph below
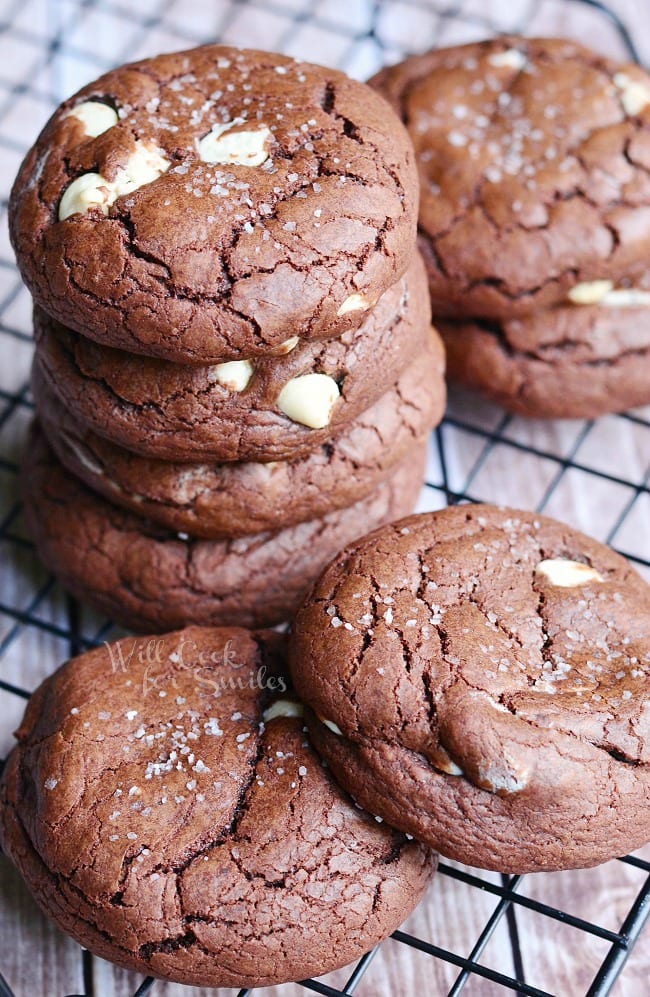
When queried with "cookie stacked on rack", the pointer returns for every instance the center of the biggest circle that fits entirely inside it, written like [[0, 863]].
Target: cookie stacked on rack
[[534, 219], [235, 370]]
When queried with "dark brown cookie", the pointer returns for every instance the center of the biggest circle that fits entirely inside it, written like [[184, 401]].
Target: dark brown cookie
[[534, 161], [300, 214], [262, 410], [480, 675], [146, 578], [567, 363], [167, 811], [229, 500]]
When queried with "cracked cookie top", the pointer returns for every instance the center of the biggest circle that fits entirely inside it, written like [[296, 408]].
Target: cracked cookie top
[[207, 205], [534, 161], [491, 661], [168, 812]]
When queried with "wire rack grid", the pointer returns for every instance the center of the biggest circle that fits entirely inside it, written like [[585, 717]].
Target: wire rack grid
[[594, 474]]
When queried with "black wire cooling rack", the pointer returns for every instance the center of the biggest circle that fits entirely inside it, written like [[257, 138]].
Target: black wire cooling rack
[[47, 50]]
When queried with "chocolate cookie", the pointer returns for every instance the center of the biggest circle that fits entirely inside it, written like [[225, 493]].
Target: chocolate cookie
[[480, 679], [267, 409], [229, 500], [566, 363], [534, 161], [147, 578], [166, 811], [208, 205]]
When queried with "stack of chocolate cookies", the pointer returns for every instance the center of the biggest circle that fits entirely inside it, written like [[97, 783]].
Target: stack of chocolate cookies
[[235, 372], [534, 219]]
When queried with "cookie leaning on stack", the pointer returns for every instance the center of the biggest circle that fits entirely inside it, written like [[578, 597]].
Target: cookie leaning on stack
[[229, 307], [535, 219], [478, 679], [203, 841]]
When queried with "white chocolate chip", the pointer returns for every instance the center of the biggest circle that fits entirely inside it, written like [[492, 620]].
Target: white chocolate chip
[[233, 375], [330, 725], [444, 763], [566, 574], [82, 454], [512, 58], [355, 303], [92, 190], [238, 148], [145, 164], [288, 345], [309, 399], [590, 292], [634, 95], [626, 297], [501, 779], [283, 708], [603, 292], [95, 116]]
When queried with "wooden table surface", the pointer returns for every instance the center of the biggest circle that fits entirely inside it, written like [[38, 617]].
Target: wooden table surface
[[593, 476]]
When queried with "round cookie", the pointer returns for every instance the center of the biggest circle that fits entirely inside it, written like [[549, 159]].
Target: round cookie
[[533, 157], [480, 675], [206, 205], [173, 818], [146, 578], [262, 410], [564, 363], [228, 500]]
